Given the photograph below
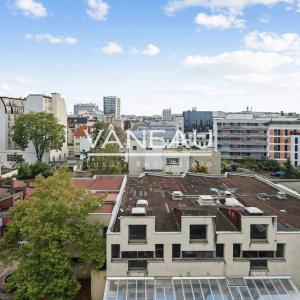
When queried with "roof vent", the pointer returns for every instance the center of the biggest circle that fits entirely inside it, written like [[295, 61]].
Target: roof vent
[[227, 193], [142, 203], [262, 197], [177, 195], [254, 211], [138, 211], [206, 199], [281, 195]]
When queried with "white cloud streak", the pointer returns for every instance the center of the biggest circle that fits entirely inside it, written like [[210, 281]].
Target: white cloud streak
[[51, 39], [270, 41], [31, 8], [112, 48], [151, 50], [220, 21]]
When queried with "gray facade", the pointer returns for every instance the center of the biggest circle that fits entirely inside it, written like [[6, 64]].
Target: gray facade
[[112, 106], [202, 121]]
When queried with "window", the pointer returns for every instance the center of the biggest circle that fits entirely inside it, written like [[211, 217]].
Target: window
[[198, 254], [176, 249], [137, 265], [115, 251], [159, 250], [258, 232], [172, 161], [280, 251], [236, 250], [134, 148], [258, 264], [220, 250], [137, 233], [198, 232]]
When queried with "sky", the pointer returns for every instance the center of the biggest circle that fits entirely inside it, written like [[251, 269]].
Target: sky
[[154, 54]]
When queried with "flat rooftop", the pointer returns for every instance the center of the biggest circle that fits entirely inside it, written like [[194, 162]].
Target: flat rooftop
[[157, 190]]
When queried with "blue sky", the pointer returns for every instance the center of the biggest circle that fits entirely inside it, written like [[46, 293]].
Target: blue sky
[[212, 54]]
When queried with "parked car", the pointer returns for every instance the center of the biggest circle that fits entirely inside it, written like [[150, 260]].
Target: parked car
[[277, 174]]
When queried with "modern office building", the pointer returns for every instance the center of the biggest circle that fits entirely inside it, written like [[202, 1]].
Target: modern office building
[[203, 237], [167, 114], [201, 121], [240, 136], [112, 106], [284, 141], [86, 109]]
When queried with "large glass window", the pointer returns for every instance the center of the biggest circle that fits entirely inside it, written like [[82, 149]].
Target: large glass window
[[220, 250], [137, 233], [198, 232], [258, 232], [159, 250], [137, 265], [236, 250], [280, 251], [115, 251], [176, 249]]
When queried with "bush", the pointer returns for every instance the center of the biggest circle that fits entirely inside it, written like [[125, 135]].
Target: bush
[[27, 171]]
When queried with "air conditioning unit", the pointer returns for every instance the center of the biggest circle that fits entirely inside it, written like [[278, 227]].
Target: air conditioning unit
[[281, 195], [177, 195], [142, 203], [138, 211]]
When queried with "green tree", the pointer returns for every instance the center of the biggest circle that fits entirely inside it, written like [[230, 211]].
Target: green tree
[[289, 172], [47, 230], [107, 164], [40, 128], [27, 171]]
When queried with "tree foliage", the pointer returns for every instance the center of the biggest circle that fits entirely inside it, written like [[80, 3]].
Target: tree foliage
[[198, 168], [290, 172], [47, 230], [260, 165], [40, 128], [27, 171]]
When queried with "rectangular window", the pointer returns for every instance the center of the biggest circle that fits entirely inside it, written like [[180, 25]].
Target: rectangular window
[[115, 251], [220, 250], [198, 254], [280, 251], [134, 148], [137, 265], [176, 250], [159, 250], [258, 232], [236, 250], [172, 161], [198, 232], [137, 233], [258, 264]]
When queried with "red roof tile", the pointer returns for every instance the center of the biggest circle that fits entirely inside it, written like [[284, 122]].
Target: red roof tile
[[80, 131], [99, 183]]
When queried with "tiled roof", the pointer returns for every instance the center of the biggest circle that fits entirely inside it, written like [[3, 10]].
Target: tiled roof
[[80, 131], [99, 183]]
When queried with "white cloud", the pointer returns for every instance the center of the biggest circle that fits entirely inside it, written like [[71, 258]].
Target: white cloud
[[4, 88], [31, 8], [269, 41], [51, 39], [22, 79], [112, 48], [219, 21], [97, 9], [151, 50], [174, 6], [238, 62]]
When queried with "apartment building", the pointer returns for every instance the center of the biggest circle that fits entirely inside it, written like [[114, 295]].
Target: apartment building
[[10, 108], [91, 109], [239, 136], [167, 114], [112, 106], [283, 141], [200, 237]]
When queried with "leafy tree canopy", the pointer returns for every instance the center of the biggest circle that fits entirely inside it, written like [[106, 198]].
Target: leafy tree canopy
[[47, 229], [27, 171], [40, 128]]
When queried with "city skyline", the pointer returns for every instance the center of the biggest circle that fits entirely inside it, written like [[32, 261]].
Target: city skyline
[[178, 53]]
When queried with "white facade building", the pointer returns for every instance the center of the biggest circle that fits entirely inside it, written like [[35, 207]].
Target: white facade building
[[10, 109], [218, 227]]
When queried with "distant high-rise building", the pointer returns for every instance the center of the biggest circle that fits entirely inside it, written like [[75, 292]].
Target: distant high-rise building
[[167, 114], [86, 108], [112, 106], [201, 121]]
